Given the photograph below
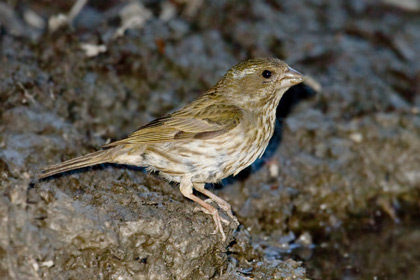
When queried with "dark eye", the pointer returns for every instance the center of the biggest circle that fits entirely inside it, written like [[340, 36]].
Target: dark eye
[[266, 74]]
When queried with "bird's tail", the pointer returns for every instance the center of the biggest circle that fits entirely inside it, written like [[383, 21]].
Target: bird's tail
[[76, 163]]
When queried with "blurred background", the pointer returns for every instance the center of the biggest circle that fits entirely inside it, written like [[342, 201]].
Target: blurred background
[[336, 196]]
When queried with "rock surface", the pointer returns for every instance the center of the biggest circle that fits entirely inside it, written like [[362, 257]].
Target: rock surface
[[339, 180]]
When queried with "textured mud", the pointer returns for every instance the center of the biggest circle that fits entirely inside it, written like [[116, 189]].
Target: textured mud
[[335, 196]]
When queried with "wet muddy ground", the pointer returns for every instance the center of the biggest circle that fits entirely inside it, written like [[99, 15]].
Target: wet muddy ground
[[336, 196]]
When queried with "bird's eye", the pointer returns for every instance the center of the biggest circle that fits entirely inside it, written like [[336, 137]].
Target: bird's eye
[[266, 74]]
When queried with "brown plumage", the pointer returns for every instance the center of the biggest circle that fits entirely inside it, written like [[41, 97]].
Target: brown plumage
[[217, 135]]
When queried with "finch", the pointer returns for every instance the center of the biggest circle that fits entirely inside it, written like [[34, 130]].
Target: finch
[[217, 135]]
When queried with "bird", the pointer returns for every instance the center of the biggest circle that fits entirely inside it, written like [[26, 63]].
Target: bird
[[217, 135]]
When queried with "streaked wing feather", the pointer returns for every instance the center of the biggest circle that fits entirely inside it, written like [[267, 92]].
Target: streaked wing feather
[[203, 123]]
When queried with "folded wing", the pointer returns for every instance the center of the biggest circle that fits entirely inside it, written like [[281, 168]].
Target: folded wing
[[193, 122]]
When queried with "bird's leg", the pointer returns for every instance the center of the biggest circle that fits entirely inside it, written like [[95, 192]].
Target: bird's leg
[[186, 189], [224, 205], [209, 200]]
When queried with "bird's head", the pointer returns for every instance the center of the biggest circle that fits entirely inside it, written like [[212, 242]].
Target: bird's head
[[258, 82]]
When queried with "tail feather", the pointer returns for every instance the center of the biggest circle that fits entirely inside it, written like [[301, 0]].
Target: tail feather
[[76, 163]]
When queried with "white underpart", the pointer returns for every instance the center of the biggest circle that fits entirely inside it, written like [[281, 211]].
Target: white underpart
[[207, 160], [131, 159]]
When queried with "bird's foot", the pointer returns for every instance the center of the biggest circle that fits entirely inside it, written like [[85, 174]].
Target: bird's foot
[[209, 212], [228, 210], [223, 204], [216, 218]]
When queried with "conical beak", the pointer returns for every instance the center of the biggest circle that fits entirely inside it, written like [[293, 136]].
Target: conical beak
[[292, 77]]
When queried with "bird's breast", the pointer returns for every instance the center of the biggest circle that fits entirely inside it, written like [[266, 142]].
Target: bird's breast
[[211, 160]]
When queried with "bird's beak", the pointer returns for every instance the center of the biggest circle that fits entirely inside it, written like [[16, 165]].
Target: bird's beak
[[292, 77]]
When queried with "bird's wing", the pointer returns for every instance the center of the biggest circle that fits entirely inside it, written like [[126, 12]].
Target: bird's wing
[[192, 122]]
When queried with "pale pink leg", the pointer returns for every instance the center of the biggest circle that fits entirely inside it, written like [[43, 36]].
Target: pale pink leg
[[224, 205], [186, 189]]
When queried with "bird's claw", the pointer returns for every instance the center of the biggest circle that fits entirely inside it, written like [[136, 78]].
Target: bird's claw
[[228, 210], [202, 209]]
